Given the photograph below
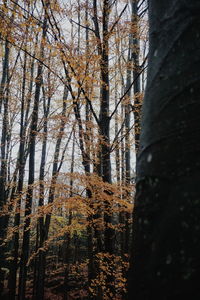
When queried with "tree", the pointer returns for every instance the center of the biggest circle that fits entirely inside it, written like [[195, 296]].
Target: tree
[[66, 81], [166, 246]]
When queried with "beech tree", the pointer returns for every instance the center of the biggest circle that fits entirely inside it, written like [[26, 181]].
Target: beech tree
[[166, 245], [69, 90]]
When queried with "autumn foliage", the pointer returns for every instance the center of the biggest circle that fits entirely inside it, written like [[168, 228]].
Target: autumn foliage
[[71, 89]]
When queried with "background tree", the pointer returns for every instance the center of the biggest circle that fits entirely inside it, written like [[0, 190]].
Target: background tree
[[67, 145], [166, 245]]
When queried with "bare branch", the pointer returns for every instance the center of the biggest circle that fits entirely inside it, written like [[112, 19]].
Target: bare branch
[[122, 97]]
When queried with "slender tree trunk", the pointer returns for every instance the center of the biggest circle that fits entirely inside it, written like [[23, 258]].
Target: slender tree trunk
[[28, 205], [29, 197], [4, 100], [4, 73], [136, 71], [88, 141], [45, 224], [3, 170], [166, 247], [21, 165], [104, 132], [39, 264], [68, 234], [127, 142], [18, 195], [104, 127]]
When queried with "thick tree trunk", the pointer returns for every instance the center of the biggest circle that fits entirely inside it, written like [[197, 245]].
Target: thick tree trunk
[[166, 246]]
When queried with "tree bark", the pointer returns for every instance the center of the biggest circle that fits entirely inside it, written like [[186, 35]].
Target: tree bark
[[104, 126], [166, 247]]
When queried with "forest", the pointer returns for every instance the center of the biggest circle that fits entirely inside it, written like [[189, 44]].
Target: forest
[[99, 150], [72, 81]]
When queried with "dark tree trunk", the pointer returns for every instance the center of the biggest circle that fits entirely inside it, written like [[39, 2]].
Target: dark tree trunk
[[4, 92], [31, 176], [3, 167], [88, 143], [38, 290], [21, 165], [4, 131], [136, 70], [67, 253], [28, 205], [166, 246], [45, 224], [104, 126]]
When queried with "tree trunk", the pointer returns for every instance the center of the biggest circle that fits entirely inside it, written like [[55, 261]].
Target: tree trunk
[[39, 264], [166, 247], [45, 224], [67, 253], [29, 197], [3, 169], [104, 127], [21, 165]]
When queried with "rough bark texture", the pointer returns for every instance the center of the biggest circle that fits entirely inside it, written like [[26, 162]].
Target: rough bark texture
[[166, 246]]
